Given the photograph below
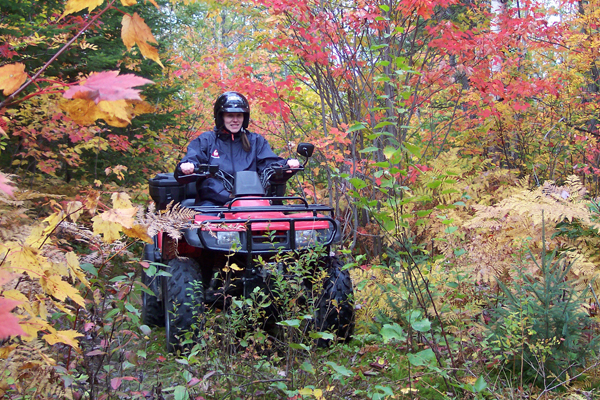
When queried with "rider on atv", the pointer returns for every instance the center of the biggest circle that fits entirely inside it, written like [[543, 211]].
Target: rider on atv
[[230, 146]]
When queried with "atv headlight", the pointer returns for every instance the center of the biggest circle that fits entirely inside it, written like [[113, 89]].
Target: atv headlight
[[228, 238], [311, 237]]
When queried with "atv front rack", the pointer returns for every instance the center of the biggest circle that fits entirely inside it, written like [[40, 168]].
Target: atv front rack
[[261, 230]]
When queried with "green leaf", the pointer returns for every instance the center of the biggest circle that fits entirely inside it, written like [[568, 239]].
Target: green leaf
[[321, 335], [339, 369], [448, 191], [379, 46], [423, 325], [357, 183], [434, 185], [308, 367], [151, 270], [413, 149], [89, 268], [425, 357], [384, 7], [382, 124], [369, 149], [356, 127], [480, 384], [391, 332], [294, 323], [423, 213], [451, 229], [460, 203], [459, 252], [181, 393], [299, 346]]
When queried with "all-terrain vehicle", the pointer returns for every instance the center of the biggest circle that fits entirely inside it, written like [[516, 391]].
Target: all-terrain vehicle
[[250, 232]]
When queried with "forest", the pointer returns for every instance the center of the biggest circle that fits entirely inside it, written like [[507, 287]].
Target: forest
[[456, 142]]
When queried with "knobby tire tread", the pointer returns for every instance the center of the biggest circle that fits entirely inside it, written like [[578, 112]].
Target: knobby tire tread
[[178, 290], [336, 316]]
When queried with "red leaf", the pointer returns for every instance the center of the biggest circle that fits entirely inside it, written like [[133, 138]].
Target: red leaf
[[115, 383], [10, 323], [108, 85]]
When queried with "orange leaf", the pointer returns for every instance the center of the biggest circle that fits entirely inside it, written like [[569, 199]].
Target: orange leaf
[[138, 232], [135, 31], [12, 76], [84, 112], [128, 3], [74, 6]]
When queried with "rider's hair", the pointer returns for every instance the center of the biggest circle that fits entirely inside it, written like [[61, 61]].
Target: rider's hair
[[245, 142]]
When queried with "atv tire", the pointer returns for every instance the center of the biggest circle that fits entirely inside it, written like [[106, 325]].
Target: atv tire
[[183, 294], [334, 307], [153, 312]]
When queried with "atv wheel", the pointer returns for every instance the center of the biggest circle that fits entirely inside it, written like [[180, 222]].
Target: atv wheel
[[153, 313], [335, 305], [183, 295]]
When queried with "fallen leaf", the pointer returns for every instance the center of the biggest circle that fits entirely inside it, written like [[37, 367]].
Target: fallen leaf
[[136, 32], [12, 76]]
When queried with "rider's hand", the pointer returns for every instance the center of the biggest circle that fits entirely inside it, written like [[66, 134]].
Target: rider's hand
[[187, 168], [293, 163]]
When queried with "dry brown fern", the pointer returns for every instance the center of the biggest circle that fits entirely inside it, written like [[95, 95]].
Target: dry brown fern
[[32, 372], [171, 221]]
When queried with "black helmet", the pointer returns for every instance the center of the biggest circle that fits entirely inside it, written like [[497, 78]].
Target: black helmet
[[232, 102]]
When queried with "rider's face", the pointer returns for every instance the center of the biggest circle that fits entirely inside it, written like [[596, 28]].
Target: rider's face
[[233, 121]]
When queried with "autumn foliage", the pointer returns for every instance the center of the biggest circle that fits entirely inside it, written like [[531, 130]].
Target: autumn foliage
[[443, 129]]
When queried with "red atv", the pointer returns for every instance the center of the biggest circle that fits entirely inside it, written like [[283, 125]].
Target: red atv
[[250, 232]]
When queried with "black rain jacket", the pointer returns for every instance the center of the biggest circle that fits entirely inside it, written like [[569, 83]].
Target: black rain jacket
[[226, 151]]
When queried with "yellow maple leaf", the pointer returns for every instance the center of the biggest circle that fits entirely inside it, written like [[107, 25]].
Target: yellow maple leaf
[[138, 232], [111, 231], [23, 258], [74, 6], [83, 111], [55, 286], [15, 294], [142, 107], [66, 337], [52, 220], [116, 109], [75, 269], [74, 210], [122, 216], [12, 76], [128, 3], [32, 326], [136, 32], [121, 200]]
